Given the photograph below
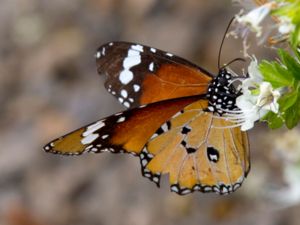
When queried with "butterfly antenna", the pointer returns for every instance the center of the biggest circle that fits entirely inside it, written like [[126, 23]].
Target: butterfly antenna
[[232, 61], [221, 46]]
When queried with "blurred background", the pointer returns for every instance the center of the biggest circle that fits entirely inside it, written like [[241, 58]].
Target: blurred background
[[49, 86]]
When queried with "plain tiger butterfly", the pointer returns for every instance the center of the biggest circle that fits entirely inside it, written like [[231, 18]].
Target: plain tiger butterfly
[[174, 123]]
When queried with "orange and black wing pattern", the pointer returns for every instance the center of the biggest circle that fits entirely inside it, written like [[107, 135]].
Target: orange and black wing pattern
[[199, 151], [126, 131], [139, 75]]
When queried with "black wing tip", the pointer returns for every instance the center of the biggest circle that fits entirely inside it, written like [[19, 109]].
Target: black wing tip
[[107, 45], [48, 147], [102, 50]]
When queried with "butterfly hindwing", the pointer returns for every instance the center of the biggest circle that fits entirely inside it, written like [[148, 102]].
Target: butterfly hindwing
[[127, 131], [200, 152], [138, 74]]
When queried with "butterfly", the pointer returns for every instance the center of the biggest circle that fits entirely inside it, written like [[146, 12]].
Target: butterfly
[[174, 120]]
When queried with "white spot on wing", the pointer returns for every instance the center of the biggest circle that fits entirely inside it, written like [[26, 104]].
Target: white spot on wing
[[121, 100], [155, 179], [186, 191], [131, 61], [89, 139], [126, 76], [136, 87], [151, 66], [98, 55], [147, 175], [92, 128], [174, 188], [94, 149], [197, 188], [169, 54], [105, 136], [124, 93], [133, 58], [144, 162], [164, 127], [126, 104], [214, 157], [154, 135], [132, 53], [153, 50], [137, 47], [121, 119]]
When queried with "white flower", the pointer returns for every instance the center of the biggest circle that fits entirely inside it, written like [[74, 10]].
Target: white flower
[[268, 98], [285, 25], [254, 107], [255, 77], [254, 18], [250, 112], [257, 100]]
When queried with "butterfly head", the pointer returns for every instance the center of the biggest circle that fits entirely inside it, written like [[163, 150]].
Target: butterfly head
[[221, 93]]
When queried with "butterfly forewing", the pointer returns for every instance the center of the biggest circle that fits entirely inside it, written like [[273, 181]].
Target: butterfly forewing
[[127, 131], [138, 74]]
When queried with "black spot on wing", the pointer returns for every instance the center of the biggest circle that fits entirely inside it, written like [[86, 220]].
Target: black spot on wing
[[213, 154]]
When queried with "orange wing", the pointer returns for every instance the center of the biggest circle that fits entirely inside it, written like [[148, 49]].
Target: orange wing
[[200, 152], [138, 74], [127, 131]]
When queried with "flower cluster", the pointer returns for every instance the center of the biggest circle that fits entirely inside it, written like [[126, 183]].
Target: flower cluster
[[257, 99], [272, 90], [283, 14]]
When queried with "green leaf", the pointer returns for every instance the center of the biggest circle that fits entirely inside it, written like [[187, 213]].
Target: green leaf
[[291, 63], [288, 100], [274, 121], [295, 36], [276, 74], [292, 116]]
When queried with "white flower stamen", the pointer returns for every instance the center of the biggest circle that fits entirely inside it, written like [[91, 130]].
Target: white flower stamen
[[257, 100]]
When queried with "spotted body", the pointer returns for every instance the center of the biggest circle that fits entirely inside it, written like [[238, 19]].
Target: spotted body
[[174, 122]]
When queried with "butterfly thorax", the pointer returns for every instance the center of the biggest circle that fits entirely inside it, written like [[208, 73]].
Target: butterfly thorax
[[221, 93]]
